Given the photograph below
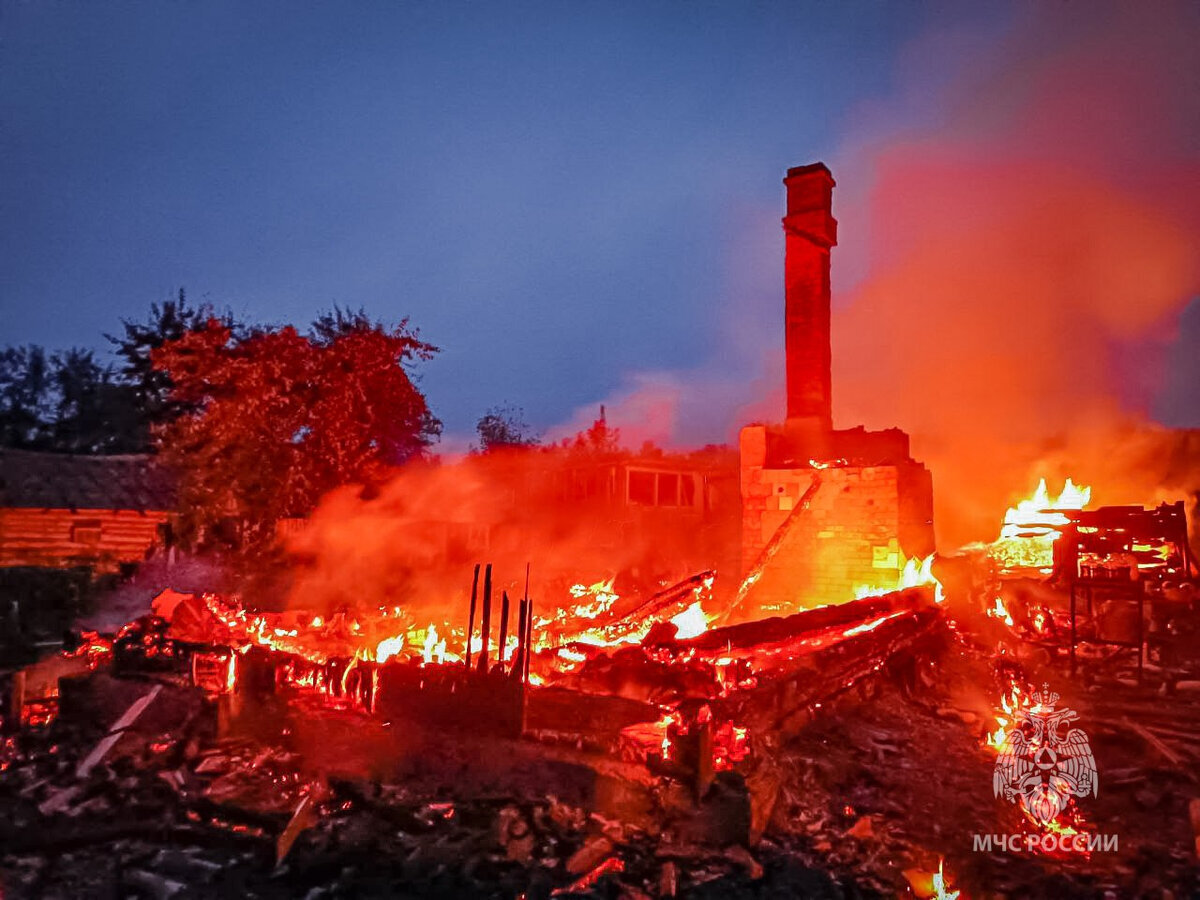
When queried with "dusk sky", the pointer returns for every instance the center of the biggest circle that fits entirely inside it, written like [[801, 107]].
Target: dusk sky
[[577, 202]]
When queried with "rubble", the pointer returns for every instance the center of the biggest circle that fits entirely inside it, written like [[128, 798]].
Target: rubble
[[839, 752]]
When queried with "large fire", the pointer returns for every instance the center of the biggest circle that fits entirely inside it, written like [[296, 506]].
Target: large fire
[[1032, 526]]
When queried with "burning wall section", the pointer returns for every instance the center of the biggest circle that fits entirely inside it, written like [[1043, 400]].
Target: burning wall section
[[835, 531]]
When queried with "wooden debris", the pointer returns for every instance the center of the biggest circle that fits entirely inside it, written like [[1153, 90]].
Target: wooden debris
[[1154, 741], [589, 855], [742, 857], [304, 817], [114, 734], [612, 865], [668, 879]]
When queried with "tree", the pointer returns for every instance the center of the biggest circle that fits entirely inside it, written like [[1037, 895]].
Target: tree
[[65, 402], [504, 427], [597, 440], [94, 413], [272, 419], [151, 387], [26, 401]]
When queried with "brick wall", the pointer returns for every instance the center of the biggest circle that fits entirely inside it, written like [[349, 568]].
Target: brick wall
[[829, 531]]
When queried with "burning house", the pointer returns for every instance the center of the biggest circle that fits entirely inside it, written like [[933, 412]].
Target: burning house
[[827, 513], [507, 734]]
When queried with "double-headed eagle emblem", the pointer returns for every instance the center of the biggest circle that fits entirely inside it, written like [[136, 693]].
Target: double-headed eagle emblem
[[1044, 762]]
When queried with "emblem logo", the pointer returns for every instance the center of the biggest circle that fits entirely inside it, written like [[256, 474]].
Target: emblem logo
[[1044, 761]]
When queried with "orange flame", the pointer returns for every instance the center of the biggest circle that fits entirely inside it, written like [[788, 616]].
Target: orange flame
[[940, 887], [1032, 526], [1011, 704], [913, 573], [1000, 611], [434, 649]]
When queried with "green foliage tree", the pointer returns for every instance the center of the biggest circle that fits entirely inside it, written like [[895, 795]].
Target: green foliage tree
[[26, 404], [504, 428], [64, 402], [272, 418], [95, 413]]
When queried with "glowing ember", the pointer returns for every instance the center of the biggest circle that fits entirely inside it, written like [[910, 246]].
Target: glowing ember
[[731, 745], [691, 622], [94, 647]]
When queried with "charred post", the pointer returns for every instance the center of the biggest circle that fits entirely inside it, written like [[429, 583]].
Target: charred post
[[518, 668], [503, 629], [486, 620], [471, 619]]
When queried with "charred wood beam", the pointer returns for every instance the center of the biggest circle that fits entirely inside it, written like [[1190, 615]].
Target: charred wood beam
[[503, 629], [809, 622], [518, 669], [471, 617], [786, 702], [486, 623], [659, 601], [528, 641]]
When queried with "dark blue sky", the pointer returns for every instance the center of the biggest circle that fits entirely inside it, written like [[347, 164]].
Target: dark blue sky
[[557, 194]]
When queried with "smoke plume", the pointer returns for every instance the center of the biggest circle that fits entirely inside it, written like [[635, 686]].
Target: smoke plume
[[1028, 261]]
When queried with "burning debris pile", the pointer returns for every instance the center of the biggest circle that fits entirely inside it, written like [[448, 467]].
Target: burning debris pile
[[623, 744], [616, 746], [220, 748]]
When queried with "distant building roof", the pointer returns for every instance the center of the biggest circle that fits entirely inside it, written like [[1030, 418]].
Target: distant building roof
[[64, 481]]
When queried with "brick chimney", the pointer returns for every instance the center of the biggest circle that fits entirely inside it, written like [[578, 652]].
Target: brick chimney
[[810, 231]]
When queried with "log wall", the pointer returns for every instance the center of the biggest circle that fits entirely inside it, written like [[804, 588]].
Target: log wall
[[60, 538]]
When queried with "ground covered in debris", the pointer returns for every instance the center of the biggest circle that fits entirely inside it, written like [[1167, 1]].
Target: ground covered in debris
[[883, 788], [172, 810], [885, 784]]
